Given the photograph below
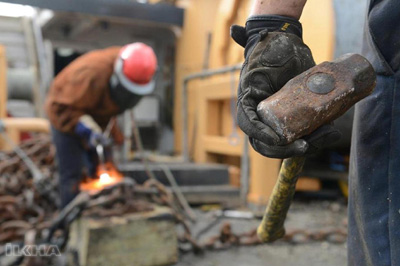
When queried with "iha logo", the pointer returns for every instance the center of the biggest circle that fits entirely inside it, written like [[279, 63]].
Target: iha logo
[[32, 250]]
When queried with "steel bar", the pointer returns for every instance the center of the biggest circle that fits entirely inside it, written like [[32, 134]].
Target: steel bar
[[178, 193]]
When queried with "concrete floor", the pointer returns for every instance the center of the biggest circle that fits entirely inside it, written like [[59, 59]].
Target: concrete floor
[[278, 255], [314, 215]]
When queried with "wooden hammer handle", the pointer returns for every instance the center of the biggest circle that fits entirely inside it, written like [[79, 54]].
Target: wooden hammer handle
[[271, 227]]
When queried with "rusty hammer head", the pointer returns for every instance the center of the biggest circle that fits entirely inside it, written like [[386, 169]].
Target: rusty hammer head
[[317, 97]]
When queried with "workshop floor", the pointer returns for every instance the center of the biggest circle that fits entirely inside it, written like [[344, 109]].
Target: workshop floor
[[312, 216]]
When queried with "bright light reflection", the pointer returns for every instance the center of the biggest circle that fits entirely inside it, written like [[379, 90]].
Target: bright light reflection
[[105, 178], [14, 10]]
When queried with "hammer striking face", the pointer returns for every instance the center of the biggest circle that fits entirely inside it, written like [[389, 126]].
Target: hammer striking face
[[317, 97]]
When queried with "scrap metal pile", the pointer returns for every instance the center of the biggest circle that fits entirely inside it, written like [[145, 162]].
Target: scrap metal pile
[[29, 215], [21, 206]]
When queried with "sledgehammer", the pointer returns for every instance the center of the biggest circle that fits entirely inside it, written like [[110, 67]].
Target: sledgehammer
[[314, 98]]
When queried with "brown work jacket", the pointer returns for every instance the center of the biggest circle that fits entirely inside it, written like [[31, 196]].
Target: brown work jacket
[[83, 88]]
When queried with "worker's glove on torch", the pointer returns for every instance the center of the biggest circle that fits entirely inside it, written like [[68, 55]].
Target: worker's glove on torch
[[274, 54], [90, 131]]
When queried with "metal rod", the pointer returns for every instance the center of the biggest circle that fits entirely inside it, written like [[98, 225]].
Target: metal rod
[[33, 168], [184, 104], [171, 179], [109, 127], [126, 148], [100, 154], [140, 148], [178, 192]]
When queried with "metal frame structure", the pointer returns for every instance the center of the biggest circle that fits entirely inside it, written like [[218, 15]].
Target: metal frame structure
[[245, 161], [184, 101], [161, 13]]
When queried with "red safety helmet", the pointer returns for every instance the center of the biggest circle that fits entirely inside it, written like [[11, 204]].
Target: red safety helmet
[[133, 74], [140, 62]]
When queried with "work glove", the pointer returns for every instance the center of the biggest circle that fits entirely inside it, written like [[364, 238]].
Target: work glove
[[274, 54], [90, 131]]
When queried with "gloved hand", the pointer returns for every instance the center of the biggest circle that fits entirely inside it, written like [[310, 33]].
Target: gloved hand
[[90, 131], [274, 54]]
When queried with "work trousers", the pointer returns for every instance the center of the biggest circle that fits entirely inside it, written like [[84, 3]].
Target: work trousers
[[374, 176], [374, 180], [72, 158]]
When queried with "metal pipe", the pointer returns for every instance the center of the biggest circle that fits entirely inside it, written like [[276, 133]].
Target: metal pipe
[[184, 105], [27, 124], [19, 84], [41, 62]]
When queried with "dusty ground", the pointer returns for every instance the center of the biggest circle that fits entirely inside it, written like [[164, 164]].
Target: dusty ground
[[314, 215]]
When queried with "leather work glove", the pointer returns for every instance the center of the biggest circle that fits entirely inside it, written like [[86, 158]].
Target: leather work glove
[[90, 131], [274, 54]]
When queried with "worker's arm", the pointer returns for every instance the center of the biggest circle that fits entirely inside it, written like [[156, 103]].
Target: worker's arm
[[274, 54], [68, 119], [288, 8]]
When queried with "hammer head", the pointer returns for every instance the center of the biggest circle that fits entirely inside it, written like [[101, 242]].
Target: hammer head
[[317, 97]]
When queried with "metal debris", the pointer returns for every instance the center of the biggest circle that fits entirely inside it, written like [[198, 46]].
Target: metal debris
[[227, 238], [22, 207], [28, 217]]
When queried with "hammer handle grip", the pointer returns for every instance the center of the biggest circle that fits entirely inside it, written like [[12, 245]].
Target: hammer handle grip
[[271, 227]]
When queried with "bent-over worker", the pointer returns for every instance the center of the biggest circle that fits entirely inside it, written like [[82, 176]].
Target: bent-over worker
[[83, 98]]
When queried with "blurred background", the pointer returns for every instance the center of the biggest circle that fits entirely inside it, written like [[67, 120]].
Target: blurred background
[[187, 132]]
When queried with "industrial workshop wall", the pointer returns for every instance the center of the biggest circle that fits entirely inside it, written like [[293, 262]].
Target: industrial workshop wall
[[205, 44]]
